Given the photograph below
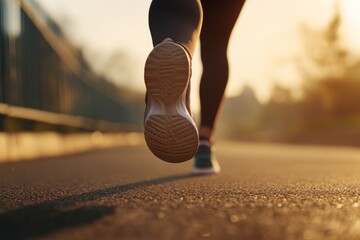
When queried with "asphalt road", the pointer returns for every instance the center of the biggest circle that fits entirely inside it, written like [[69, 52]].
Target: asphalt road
[[263, 192]]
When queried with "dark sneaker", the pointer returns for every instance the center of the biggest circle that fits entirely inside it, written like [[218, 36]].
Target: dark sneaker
[[170, 131], [205, 160]]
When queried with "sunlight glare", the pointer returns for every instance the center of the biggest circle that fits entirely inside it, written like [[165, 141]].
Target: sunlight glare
[[351, 17]]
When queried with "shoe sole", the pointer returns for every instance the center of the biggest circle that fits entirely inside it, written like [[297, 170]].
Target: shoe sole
[[200, 171], [210, 170], [170, 131]]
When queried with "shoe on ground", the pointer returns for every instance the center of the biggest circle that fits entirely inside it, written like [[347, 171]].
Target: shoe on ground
[[170, 132], [205, 160]]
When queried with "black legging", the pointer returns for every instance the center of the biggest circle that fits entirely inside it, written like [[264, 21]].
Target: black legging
[[181, 20], [219, 20]]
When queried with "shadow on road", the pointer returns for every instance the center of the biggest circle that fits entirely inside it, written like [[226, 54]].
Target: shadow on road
[[68, 212]]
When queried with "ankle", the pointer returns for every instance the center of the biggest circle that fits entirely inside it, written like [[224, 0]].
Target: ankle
[[205, 133]]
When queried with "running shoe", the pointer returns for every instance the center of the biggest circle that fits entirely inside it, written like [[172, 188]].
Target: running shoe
[[170, 132], [205, 160]]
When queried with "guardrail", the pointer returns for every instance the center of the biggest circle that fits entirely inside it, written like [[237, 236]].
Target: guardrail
[[42, 80]]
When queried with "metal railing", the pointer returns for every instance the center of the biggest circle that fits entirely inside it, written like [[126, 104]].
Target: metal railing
[[42, 80]]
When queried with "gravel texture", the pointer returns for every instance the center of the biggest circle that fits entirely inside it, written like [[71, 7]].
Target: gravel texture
[[265, 191]]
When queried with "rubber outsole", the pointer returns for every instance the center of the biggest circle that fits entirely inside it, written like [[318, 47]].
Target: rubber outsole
[[209, 170], [170, 131]]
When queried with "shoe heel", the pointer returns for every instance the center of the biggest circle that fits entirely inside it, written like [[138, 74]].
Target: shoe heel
[[171, 138]]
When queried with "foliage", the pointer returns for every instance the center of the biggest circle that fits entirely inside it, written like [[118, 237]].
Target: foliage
[[329, 109]]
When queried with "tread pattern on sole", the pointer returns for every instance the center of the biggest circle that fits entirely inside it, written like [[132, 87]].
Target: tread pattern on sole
[[166, 72], [171, 138], [170, 132]]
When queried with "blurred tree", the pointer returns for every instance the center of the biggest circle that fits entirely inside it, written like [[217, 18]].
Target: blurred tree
[[280, 113], [241, 114], [330, 71]]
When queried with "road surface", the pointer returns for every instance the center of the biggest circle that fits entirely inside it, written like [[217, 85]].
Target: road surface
[[265, 191]]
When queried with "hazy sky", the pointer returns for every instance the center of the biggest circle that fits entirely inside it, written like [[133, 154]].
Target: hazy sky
[[263, 43]]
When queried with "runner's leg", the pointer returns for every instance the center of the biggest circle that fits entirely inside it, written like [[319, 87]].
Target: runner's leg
[[179, 20], [219, 20], [170, 132]]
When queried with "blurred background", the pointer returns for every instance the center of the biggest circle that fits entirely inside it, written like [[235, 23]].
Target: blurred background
[[76, 66]]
